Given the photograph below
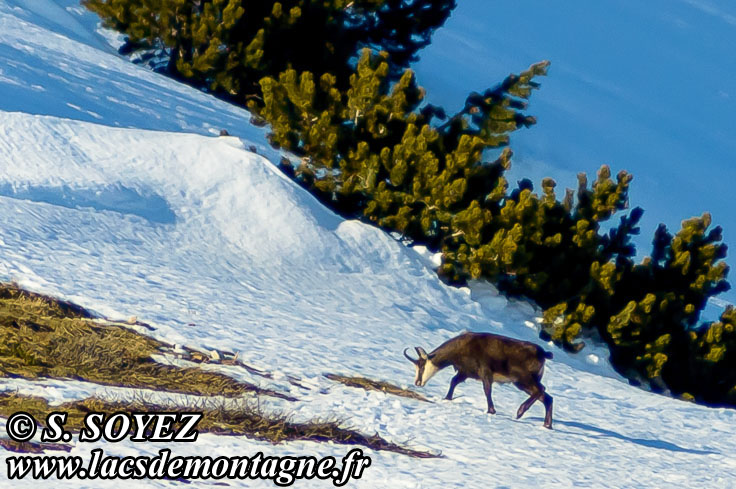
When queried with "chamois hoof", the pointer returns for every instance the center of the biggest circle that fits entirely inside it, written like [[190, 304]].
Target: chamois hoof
[[491, 410], [548, 426]]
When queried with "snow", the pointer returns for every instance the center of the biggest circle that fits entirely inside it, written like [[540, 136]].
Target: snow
[[115, 194]]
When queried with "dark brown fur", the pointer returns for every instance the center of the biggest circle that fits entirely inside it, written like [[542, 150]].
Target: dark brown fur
[[488, 358]]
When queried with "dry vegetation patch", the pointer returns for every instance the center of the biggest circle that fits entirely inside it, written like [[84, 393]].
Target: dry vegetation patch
[[42, 337], [376, 385]]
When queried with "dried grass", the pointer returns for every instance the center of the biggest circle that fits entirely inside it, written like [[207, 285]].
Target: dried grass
[[376, 385], [41, 337]]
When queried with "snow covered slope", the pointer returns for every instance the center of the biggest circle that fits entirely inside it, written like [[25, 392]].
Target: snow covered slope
[[210, 244], [53, 62]]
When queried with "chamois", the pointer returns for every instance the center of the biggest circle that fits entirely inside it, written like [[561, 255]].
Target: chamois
[[489, 358]]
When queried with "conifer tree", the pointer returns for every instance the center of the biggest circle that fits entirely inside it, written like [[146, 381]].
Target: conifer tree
[[648, 312], [708, 374], [374, 151], [541, 247], [227, 46]]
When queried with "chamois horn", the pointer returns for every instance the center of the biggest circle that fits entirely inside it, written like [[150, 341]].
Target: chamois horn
[[410, 358]]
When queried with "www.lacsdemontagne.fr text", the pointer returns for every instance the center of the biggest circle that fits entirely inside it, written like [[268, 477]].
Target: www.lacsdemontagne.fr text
[[283, 471]]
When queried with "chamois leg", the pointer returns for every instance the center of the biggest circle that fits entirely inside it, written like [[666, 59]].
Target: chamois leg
[[536, 392], [547, 401], [527, 404], [453, 383], [487, 384]]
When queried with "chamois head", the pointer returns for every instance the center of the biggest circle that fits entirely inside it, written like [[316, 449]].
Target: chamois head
[[423, 366]]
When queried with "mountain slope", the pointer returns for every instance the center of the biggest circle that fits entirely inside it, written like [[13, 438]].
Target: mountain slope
[[210, 244]]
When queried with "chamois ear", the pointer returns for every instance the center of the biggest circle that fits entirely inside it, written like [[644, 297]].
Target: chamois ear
[[422, 354]]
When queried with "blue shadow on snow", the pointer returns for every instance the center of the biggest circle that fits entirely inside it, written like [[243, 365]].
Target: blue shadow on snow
[[118, 198]]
